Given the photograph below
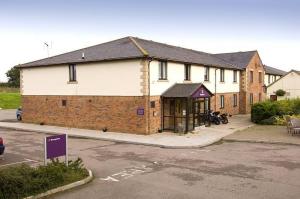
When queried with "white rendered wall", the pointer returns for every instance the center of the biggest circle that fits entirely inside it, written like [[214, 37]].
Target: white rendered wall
[[273, 78], [289, 83], [176, 75], [118, 78]]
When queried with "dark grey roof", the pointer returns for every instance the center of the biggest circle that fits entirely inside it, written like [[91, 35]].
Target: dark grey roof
[[117, 49], [240, 59], [132, 47], [183, 90], [274, 71], [174, 53]]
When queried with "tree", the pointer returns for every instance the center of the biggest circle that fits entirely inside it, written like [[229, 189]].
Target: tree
[[280, 92], [13, 76]]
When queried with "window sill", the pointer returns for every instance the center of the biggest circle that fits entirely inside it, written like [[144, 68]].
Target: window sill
[[162, 80], [234, 82], [72, 82], [207, 81], [222, 82], [187, 81]]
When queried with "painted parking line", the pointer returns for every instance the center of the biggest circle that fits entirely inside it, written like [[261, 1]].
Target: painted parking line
[[20, 162], [127, 173]]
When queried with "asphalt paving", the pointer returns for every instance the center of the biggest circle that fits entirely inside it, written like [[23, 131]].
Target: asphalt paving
[[224, 170]]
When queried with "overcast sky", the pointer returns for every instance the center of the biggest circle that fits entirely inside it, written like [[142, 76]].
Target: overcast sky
[[270, 26]]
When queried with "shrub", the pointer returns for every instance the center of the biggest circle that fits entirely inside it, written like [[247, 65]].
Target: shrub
[[22, 181], [267, 112], [280, 92]]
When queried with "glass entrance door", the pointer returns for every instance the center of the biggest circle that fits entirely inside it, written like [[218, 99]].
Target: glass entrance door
[[175, 114], [196, 113], [201, 107]]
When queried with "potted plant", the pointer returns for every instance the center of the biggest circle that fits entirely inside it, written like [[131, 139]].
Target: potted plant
[[280, 92]]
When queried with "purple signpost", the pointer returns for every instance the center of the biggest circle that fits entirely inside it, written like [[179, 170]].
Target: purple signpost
[[56, 146]]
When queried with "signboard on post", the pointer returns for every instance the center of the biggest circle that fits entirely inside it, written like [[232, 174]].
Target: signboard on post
[[56, 146]]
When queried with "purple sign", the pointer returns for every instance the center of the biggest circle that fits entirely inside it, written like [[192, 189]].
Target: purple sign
[[56, 146], [201, 92], [140, 111]]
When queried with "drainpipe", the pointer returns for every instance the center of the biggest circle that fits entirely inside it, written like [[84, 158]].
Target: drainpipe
[[149, 108], [216, 89]]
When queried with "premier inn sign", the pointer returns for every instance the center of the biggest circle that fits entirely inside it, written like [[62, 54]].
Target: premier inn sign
[[56, 146]]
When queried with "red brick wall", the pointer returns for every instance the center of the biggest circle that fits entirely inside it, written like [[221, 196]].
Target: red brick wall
[[228, 102], [118, 114], [155, 115], [254, 87]]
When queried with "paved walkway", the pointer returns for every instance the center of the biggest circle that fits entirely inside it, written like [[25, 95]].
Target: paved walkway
[[200, 138], [265, 134], [8, 115]]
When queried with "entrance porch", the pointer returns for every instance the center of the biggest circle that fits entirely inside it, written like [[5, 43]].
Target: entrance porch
[[185, 106]]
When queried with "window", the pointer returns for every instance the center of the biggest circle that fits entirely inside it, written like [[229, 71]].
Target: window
[[251, 98], [222, 101], [269, 79], [187, 72], [259, 77], [259, 97], [152, 104], [206, 74], [163, 73], [234, 76], [72, 73], [64, 102], [251, 76], [222, 75], [234, 100], [275, 77]]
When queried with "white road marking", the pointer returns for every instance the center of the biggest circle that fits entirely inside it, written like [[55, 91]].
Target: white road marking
[[127, 173], [20, 162], [30, 160], [109, 179]]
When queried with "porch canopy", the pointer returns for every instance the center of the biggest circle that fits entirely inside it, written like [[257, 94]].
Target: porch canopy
[[185, 106], [194, 90]]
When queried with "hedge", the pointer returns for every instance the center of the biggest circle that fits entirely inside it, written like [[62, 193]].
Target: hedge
[[22, 181], [266, 112]]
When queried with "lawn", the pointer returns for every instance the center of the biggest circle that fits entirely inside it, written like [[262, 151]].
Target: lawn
[[10, 100]]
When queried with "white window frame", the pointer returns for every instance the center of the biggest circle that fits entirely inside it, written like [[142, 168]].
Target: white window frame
[[251, 98], [222, 101], [72, 73], [222, 75], [235, 100], [163, 70], [235, 76], [187, 72], [206, 73]]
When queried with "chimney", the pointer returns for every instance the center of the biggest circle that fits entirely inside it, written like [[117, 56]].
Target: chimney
[[82, 57]]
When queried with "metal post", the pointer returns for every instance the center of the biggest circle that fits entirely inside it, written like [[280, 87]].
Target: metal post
[[45, 151], [67, 159]]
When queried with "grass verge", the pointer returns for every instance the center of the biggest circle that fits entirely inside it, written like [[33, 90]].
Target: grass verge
[[23, 181], [10, 100]]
